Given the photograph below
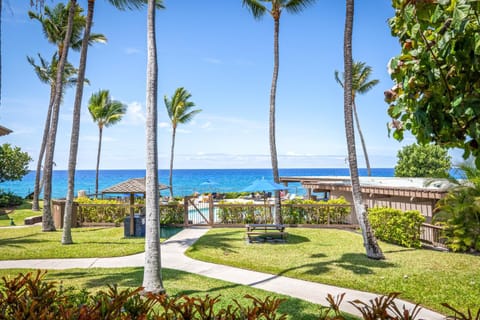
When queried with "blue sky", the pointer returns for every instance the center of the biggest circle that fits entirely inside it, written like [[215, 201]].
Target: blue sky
[[218, 52]]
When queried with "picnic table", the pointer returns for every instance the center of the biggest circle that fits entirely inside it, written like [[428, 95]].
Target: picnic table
[[266, 232]]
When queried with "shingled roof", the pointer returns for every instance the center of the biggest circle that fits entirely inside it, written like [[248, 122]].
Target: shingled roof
[[4, 131], [135, 185]]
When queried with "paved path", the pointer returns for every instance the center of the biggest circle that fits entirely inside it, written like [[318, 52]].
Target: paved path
[[173, 258]]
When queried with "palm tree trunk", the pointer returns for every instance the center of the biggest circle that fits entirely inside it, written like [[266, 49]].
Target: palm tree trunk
[[100, 135], [273, 94], [47, 220], [170, 180], [37, 187], [152, 271], [72, 160], [362, 140], [370, 242]]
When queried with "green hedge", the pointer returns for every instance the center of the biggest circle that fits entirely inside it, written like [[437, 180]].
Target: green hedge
[[396, 226], [8, 199], [299, 211]]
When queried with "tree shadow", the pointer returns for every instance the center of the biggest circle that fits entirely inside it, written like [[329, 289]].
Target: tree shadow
[[222, 241]]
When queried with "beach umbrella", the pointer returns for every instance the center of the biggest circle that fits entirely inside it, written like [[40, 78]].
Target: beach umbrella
[[264, 185]]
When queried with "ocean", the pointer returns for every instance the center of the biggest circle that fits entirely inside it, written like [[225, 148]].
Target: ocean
[[185, 181]]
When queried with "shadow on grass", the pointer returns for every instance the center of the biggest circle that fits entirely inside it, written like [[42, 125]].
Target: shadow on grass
[[218, 240]]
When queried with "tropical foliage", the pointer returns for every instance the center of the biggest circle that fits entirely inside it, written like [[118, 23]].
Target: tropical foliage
[[430, 161], [397, 226], [179, 110], [360, 84], [459, 211], [8, 199], [437, 73], [13, 163], [105, 112]]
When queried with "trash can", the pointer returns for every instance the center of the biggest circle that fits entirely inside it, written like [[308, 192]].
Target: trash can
[[138, 226]]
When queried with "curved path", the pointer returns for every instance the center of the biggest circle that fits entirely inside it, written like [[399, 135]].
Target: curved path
[[173, 258]]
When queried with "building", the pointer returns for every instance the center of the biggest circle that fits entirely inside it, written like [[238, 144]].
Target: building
[[420, 194]]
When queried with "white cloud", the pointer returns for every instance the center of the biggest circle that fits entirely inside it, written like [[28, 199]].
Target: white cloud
[[206, 125], [164, 125], [135, 114]]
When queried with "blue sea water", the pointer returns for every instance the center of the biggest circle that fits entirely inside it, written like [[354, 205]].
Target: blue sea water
[[185, 181]]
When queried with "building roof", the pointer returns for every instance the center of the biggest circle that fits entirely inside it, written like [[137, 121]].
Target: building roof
[[4, 131], [135, 185], [425, 188]]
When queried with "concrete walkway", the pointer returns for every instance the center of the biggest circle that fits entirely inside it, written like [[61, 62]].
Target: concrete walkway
[[173, 258]]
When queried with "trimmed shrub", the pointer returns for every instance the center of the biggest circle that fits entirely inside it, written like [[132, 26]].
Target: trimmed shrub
[[9, 199], [396, 226], [299, 211]]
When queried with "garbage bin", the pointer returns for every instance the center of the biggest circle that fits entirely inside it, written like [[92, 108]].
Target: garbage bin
[[138, 226]]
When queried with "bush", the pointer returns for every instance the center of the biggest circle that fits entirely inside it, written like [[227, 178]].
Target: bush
[[8, 199], [298, 211], [101, 210], [396, 226], [30, 297], [172, 213]]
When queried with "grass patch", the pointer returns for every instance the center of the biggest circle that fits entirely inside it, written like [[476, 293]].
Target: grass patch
[[337, 257], [176, 283], [18, 214], [32, 243]]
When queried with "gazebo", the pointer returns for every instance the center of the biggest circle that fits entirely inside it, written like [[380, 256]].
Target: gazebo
[[132, 186], [4, 131]]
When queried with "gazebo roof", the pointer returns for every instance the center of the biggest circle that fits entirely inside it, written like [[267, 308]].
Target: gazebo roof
[[135, 185], [4, 131]]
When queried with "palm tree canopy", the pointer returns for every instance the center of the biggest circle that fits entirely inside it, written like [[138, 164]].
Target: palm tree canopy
[[134, 4], [360, 74], [258, 8], [179, 108], [54, 24], [104, 111], [47, 71]]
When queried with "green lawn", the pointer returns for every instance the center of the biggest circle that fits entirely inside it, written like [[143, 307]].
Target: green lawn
[[32, 243], [338, 258], [176, 283], [19, 214]]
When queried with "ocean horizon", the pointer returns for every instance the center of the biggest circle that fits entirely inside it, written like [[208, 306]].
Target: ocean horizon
[[185, 181]]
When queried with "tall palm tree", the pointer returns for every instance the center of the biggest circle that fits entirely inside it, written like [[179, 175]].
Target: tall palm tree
[[72, 160], [258, 10], [47, 220], [369, 241], [360, 84], [179, 111], [46, 72], [152, 271], [105, 113], [54, 22]]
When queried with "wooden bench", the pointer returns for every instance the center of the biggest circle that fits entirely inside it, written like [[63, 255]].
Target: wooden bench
[[32, 220], [266, 232]]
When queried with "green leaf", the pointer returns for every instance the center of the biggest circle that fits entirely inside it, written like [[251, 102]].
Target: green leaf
[[458, 100]]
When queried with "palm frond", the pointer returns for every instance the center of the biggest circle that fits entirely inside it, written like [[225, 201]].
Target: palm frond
[[257, 9], [296, 6], [134, 4]]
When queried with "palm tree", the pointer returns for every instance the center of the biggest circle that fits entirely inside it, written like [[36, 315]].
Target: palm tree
[[46, 72], [72, 160], [47, 220], [258, 10], [152, 271], [54, 22], [369, 240], [179, 111], [105, 113], [360, 84]]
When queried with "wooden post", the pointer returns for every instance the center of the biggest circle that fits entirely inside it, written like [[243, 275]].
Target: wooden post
[[132, 215], [211, 217], [185, 211]]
